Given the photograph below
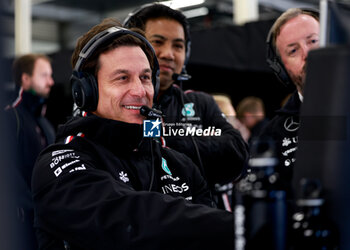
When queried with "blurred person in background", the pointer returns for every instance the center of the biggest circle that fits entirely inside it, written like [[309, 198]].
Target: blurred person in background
[[29, 129], [225, 105], [251, 113]]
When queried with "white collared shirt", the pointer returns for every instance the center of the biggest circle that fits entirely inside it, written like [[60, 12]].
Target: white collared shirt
[[301, 97]]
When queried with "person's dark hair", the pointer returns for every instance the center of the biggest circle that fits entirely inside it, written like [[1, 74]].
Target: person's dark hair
[[91, 65], [139, 18], [25, 64]]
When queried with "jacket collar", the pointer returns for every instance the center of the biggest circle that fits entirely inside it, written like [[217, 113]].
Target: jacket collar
[[32, 102], [114, 135], [292, 106], [174, 91]]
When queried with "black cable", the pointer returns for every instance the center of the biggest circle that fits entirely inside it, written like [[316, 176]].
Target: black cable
[[152, 167], [151, 114], [201, 167]]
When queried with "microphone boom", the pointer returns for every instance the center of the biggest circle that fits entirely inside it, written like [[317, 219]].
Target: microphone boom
[[150, 114]]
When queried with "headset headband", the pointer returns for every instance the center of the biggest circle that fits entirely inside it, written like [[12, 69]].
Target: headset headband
[[103, 36], [136, 12]]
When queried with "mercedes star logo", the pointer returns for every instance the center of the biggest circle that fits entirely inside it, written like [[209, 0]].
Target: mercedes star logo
[[291, 124]]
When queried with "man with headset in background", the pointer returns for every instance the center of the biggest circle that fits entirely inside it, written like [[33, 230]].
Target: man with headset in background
[[103, 185], [291, 37], [221, 158], [30, 131]]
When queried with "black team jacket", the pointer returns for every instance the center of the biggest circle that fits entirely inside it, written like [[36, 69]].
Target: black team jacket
[[30, 132], [282, 131], [104, 186], [223, 156]]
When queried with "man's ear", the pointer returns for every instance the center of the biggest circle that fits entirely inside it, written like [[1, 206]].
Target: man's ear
[[26, 81]]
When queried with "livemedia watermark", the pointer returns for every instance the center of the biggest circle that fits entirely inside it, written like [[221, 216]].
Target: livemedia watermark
[[154, 128]]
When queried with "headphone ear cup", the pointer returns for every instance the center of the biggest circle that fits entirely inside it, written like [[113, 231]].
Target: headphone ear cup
[[282, 74], [93, 101], [156, 84], [274, 62], [77, 91], [188, 53], [84, 91], [279, 70]]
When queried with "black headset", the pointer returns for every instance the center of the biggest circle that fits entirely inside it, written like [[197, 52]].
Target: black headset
[[274, 60], [84, 84], [132, 19]]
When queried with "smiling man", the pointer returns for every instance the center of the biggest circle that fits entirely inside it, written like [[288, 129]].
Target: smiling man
[[221, 156], [123, 90], [292, 36], [104, 186]]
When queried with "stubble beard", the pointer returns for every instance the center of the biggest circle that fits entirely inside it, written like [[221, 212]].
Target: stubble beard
[[299, 80]]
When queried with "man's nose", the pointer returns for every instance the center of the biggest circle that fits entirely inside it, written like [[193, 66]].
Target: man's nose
[[166, 52], [137, 88], [50, 81], [305, 51]]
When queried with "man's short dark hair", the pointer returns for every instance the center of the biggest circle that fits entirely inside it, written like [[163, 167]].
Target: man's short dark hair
[[91, 65], [139, 18]]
